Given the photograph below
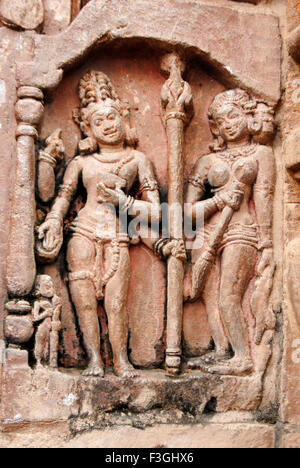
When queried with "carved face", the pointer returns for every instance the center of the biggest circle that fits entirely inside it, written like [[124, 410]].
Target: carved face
[[107, 126], [232, 123], [45, 287]]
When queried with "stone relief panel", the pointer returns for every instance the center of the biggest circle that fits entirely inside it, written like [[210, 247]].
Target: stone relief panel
[[111, 286], [125, 131]]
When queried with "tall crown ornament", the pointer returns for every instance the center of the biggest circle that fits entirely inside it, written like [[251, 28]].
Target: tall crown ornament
[[96, 91]]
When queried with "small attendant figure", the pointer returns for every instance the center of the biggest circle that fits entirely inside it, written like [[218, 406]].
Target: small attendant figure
[[47, 312]]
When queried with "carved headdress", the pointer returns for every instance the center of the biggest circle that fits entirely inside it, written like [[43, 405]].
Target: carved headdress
[[248, 104], [97, 91]]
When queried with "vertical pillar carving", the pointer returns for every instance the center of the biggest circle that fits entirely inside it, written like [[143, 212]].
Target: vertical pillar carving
[[21, 269], [177, 109]]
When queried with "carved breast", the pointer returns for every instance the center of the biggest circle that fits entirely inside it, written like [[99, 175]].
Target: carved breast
[[245, 171], [219, 175]]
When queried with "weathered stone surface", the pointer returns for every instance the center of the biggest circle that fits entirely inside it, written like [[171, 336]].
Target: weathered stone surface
[[58, 16], [252, 69], [146, 308], [196, 436], [26, 14], [290, 412], [47, 395], [291, 440], [159, 436], [226, 44]]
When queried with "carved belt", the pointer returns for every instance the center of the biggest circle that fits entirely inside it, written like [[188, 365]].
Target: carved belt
[[98, 279]]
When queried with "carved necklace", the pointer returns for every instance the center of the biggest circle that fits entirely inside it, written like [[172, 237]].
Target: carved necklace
[[231, 155], [116, 167]]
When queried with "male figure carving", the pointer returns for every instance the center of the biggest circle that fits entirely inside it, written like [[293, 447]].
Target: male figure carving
[[98, 251]]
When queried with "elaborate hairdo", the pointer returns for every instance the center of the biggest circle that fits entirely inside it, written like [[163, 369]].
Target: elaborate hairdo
[[39, 280], [96, 90], [237, 97]]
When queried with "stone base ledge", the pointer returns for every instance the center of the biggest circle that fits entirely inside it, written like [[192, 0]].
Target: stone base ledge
[[158, 436], [45, 395]]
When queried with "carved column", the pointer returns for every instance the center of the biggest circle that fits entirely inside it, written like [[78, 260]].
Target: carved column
[[176, 101], [21, 269]]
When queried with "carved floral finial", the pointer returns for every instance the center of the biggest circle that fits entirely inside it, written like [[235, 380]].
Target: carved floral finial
[[176, 96]]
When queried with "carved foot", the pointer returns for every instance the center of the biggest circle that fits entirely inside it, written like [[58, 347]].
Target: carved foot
[[95, 369], [236, 367], [125, 370], [210, 358]]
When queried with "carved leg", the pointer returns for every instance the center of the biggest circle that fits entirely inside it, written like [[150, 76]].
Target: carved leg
[[80, 257], [115, 307], [41, 349], [211, 300], [237, 268]]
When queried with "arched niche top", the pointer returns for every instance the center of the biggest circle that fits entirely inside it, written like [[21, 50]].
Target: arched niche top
[[231, 41]]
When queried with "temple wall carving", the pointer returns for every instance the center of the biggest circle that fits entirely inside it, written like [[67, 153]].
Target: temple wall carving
[[149, 211]]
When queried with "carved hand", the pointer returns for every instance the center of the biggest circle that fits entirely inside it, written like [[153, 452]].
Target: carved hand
[[52, 233], [115, 197], [55, 146], [176, 248], [232, 199]]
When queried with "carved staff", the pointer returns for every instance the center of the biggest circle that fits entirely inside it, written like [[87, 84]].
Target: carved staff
[[204, 264], [177, 110]]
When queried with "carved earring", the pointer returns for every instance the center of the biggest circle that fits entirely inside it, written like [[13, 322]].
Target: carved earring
[[254, 125], [218, 144], [88, 145], [131, 136]]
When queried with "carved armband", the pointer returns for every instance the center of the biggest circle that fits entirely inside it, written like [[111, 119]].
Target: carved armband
[[220, 204], [47, 158], [159, 245], [148, 185], [66, 192]]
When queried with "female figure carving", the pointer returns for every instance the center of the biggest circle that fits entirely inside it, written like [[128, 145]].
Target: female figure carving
[[238, 231]]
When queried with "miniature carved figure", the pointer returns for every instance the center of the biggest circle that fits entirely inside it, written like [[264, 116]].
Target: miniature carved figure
[[238, 230], [48, 161], [98, 251], [46, 313]]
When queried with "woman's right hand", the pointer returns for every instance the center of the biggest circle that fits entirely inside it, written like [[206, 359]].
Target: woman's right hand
[[233, 199], [51, 233]]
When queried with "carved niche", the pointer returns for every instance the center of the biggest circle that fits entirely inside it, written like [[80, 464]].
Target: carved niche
[[99, 281]]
